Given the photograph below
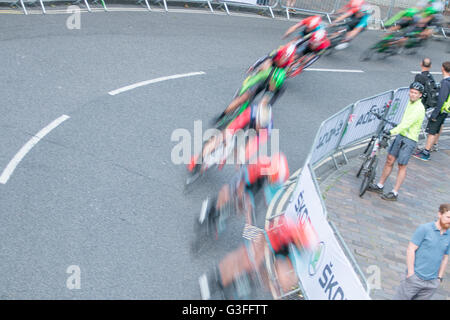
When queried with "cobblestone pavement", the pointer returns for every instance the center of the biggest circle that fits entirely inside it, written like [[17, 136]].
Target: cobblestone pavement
[[376, 231]]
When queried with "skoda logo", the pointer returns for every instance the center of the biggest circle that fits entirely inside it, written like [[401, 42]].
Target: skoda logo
[[316, 259]]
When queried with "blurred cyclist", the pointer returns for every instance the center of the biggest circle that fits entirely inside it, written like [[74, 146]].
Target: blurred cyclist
[[242, 269], [359, 13], [306, 26], [309, 50], [264, 73], [266, 173], [257, 117]]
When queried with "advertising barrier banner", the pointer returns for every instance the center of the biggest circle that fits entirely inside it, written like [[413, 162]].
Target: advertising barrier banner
[[252, 2], [398, 106], [329, 135], [362, 123], [326, 273]]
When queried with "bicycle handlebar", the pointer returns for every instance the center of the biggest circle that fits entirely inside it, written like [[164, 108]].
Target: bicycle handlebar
[[380, 117]]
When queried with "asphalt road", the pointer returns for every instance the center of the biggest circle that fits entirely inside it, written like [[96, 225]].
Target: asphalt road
[[101, 191]]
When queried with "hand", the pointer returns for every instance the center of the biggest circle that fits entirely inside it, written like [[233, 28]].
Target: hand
[[432, 119], [409, 275]]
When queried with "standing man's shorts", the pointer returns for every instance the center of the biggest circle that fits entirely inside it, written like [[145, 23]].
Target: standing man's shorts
[[434, 127], [402, 148]]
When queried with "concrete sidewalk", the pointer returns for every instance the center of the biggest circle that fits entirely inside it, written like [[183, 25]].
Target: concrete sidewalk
[[376, 231]]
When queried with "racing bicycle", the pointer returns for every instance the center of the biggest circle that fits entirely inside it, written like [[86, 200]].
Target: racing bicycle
[[372, 152]]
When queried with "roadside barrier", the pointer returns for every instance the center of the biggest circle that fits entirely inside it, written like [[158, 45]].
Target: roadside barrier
[[330, 271]]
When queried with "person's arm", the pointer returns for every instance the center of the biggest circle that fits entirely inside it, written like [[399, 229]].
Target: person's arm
[[344, 16], [292, 29], [443, 266], [410, 258], [444, 91], [407, 121]]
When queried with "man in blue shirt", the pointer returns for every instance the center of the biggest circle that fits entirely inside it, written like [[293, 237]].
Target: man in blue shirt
[[426, 258]]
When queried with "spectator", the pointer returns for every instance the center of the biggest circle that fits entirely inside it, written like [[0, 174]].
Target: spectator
[[291, 4], [429, 98], [404, 144], [426, 258], [439, 114]]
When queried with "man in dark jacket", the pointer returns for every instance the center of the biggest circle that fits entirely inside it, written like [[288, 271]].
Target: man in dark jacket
[[439, 114], [427, 80]]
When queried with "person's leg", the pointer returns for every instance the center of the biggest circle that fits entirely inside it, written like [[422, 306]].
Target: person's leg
[[431, 138], [242, 260], [428, 289], [237, 102], [401, 175], [387, 169], [408, 289], [407, 147]]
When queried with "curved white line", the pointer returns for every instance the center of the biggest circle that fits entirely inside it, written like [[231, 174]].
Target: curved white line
[[27, 147], [147, 82], [334, 70]]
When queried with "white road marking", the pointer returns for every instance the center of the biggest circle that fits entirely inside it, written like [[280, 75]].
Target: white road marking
[[434, 72], [147, 82], [334, 70], [27, 147]]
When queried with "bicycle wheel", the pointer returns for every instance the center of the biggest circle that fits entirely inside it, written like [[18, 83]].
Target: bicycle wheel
[[366, 161], [369, 176]]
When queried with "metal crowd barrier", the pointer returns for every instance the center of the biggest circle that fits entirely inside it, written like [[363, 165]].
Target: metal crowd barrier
[[325, 7], [346, 129]]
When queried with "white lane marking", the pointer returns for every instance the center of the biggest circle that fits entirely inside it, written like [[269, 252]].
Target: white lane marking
[[147, 82], [434, 72], [27, 147], [334, 70]]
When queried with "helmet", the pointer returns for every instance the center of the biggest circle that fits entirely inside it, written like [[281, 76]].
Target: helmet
[[417, 86], [277, 78], [284, 55], [411, 12], [313, 22], [263, 115], [355, 3], [279, 169], [430, 10], [318, 38]]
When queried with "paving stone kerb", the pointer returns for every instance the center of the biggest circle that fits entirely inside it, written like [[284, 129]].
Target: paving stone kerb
[[377, 232]]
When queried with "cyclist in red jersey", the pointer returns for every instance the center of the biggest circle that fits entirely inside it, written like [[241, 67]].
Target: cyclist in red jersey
[[306, 26], [257, 117], [240, 270], [265, 173], [309, 50]]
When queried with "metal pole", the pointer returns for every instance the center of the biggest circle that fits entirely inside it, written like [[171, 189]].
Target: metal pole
[[210, 7], [148, 6], [42, 5], [87, 5], [389, 14], [23, 7]]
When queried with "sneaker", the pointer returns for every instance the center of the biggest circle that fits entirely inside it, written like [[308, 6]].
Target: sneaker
[[389, 196], [374, 188], [418, 150], [342, 46], [434, 148], [422, 156]]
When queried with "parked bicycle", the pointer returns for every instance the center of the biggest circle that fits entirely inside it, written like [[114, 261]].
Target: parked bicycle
[[372, 152]]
